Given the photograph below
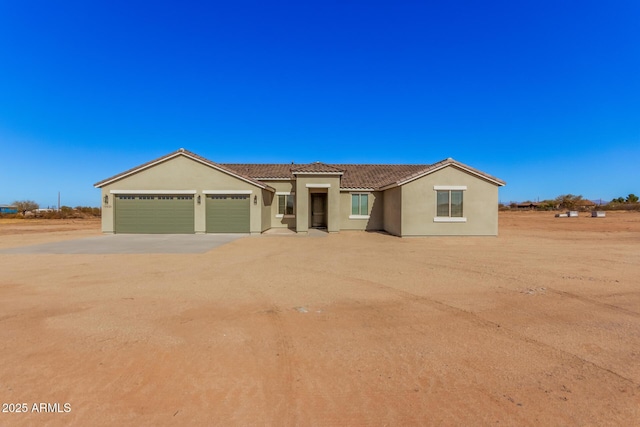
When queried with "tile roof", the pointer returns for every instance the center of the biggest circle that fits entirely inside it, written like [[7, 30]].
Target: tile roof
[[360, 176], [375, 176], [354, 176], [262, 170], [316, 167]]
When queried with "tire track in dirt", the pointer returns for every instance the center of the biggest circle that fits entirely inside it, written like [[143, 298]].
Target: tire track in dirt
[[594, 302], [556, 291], [284, 361], [285, 364], [475, 318]]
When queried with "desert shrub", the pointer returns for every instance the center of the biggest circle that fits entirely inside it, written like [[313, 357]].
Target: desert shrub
[[547, 205], [614, 206], [12, 215], [67, 212], [89, 211]]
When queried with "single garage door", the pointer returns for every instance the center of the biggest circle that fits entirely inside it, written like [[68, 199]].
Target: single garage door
[[154, 214], [227, 213]]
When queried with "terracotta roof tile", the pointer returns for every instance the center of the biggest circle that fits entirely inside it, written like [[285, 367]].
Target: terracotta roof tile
[[316, 167], [354, 176], [357, 176], [374, 176], [364, 176], [262, 170]]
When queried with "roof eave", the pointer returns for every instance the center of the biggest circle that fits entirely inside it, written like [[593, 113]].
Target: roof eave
[[357, 189]]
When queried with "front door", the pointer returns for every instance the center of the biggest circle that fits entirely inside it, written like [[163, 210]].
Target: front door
[[318, 210]]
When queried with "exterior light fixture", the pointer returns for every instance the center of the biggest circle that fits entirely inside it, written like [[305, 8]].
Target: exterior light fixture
[[255, 200], [106, 199], [199, 199]]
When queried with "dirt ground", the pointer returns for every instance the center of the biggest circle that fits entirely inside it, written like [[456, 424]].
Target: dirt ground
[[539, 326]]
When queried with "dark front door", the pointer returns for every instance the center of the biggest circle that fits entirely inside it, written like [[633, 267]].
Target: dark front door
[[318, 210]]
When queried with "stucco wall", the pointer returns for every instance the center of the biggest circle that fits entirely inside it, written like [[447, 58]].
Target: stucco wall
[[392, 218], [267, 201], [376, 212], [280, 222], [182, 173], [303, 208], [480, 205]]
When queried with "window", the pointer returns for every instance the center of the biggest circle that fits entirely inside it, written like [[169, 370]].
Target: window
[[285, 204], [449, 204], [359, 205]]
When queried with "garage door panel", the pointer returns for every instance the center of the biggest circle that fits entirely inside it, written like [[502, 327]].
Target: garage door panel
[[154, 214], [228, 214]]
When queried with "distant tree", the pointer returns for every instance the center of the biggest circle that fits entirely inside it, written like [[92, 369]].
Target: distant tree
[[568, 201], [547, 205], [631, 198], [25, 205], [618, 200]]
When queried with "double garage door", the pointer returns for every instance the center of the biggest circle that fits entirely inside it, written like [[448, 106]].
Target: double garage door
[[175, 214]]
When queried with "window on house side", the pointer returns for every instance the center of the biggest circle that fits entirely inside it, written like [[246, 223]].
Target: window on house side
[[285, 204], [359, 204], [449, 203]]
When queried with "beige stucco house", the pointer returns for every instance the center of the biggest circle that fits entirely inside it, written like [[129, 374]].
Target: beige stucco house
[[185, 193]]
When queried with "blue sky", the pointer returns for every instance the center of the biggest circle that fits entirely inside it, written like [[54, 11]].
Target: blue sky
[[543, 94]]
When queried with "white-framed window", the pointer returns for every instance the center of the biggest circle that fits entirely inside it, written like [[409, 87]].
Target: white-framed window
[[359, 206], [450, 204], [285, 205]]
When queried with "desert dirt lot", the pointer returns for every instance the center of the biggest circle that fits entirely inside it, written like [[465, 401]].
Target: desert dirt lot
[[540, 326]]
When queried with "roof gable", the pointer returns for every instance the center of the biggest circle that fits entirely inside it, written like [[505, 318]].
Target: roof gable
[[189, 155], [440, 165]]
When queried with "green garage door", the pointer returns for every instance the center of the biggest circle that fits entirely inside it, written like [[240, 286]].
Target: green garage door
[[157, 214], [227, 213]]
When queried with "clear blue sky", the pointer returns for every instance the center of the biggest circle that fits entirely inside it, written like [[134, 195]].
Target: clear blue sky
[[543, 94]]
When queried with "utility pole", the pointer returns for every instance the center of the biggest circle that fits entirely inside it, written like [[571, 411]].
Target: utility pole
[[58, 201]]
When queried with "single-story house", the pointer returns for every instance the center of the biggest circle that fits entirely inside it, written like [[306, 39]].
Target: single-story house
[[183, 192], [7, 209], [527, 206]]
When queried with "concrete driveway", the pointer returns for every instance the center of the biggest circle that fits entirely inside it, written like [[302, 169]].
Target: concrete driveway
[[131, 244]]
